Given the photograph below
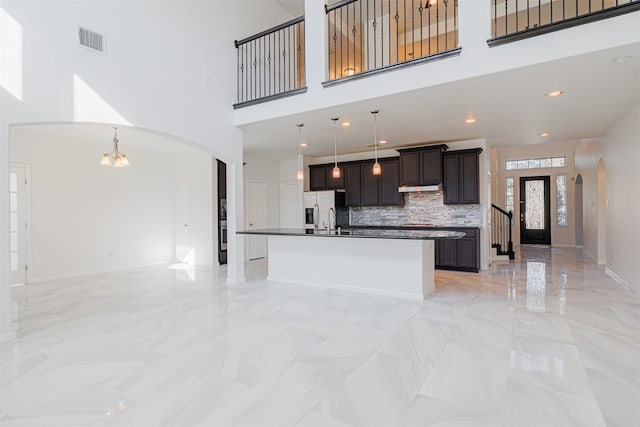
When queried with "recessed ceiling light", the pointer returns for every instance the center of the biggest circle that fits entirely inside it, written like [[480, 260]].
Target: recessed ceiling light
[[346, 124], [382, 141], [544, 134], [555, 93], [304, 144], [623, 60], [470, 120]]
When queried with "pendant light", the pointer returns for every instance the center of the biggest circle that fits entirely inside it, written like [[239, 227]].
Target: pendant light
[[119, 159], [377, 169], [336, 170], [300, 173]]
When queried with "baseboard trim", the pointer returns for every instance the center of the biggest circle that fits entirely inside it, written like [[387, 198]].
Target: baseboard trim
[[95, 272], [615, 276], [567, 246]]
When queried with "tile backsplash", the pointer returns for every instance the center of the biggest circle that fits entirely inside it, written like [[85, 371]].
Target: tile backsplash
[[419, 208]]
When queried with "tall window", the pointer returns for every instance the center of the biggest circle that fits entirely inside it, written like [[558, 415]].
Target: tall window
[[509, 196], [561, 200]]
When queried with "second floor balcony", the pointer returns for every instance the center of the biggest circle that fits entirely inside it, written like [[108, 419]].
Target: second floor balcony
[[360, 38]]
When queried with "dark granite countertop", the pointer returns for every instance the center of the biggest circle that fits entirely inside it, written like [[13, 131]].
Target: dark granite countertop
[[377, 233]]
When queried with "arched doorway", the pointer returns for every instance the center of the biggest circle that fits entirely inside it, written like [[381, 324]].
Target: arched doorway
[[602, 212], [578, 209]]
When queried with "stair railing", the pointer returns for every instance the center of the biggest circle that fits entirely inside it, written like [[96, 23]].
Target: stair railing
[[501, 233]]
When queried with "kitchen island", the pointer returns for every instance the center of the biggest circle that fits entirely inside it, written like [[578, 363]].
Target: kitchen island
[[398, 263]]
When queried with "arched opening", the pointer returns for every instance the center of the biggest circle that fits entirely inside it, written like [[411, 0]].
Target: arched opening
[[578, 209], [601, 213], [88, 218]]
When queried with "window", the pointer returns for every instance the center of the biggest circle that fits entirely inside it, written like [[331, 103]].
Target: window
[[549, 162], [509, 196], [561, 200]]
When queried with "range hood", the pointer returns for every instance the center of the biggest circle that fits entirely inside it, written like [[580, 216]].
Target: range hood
[[418, 189]]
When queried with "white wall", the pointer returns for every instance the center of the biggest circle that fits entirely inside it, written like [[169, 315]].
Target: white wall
[[560, 235], [170, 67], [198, 168], [588, 153], [288, 177], [87, 218], [267, 170], [622, 156]]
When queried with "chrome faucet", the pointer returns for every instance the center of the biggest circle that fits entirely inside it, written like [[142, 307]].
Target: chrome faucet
[[332, 214]]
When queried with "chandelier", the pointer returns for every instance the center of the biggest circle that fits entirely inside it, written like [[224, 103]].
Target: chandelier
[[115, 158]]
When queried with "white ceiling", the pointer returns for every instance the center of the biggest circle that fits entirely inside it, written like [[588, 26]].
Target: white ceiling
[[294, 7], [103, 134], [510, 107]]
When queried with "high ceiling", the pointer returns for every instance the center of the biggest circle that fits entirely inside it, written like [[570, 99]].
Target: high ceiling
[[294, 7], [510, 108]]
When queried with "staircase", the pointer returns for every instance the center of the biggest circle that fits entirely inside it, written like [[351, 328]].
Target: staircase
[[501, 239]]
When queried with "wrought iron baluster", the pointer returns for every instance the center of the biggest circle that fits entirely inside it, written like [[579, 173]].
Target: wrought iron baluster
[[438, 28], [397, 18], [348, 68], [455, 23], [375, 36], [420, 10], [446, 24], [429, 29], [341, 44], [506, 17], [404, 13]]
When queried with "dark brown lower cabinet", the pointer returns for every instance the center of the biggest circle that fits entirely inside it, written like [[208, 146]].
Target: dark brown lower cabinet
[[459, 254]]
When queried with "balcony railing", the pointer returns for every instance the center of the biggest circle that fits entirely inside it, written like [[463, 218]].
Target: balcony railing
[[271, 64], [368, 36], [513, 20]]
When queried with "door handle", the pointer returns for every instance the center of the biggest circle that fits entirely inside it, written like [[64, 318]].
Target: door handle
[[521, 217]]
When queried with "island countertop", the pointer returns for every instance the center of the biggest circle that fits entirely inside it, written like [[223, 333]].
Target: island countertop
[[373, 233]]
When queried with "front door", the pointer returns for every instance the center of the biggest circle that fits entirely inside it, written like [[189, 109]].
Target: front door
[[535, 210]]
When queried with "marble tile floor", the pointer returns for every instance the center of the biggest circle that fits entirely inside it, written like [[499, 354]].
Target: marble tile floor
[[547, 340]]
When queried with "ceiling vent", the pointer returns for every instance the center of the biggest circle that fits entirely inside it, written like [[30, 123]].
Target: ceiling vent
[[91, 40]]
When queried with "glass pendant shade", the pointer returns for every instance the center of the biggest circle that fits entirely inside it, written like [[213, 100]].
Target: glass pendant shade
[[335, 173], [105, 160], [117, 162], [300, 172], [377, 169], [124, 160]]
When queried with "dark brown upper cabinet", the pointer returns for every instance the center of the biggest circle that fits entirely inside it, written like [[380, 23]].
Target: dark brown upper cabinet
[[321, 177], [421, 165], [352, 184], [361, 187], [461, 180], [389, 182], [317, 177]]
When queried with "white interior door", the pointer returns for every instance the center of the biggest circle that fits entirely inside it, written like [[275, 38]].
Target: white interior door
[[256, 246], [18, 197], [184, 253], [290, 212]]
